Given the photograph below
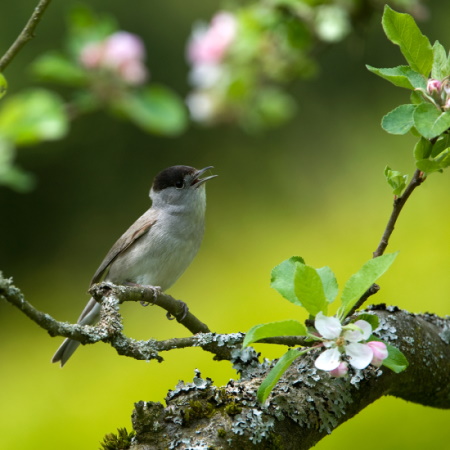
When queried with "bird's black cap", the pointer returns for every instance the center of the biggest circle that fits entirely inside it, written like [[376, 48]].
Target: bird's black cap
[[172, 177]]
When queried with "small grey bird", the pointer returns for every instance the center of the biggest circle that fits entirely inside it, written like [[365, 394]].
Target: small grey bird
[[159, 246]]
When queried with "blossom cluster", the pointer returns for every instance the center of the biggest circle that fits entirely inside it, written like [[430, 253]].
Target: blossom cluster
[[347, 343], [206, 52], [121, 54]]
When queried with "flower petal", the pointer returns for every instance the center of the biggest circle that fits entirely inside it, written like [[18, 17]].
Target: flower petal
[[328, 327], [360, 355], [359, 335], [340, 371], [380, 352], [329, 359]]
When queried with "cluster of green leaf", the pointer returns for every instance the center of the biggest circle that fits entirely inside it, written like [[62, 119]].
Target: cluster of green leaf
[[314, 290], [38, 114], [277, 43], [427, 76], [154, 108]]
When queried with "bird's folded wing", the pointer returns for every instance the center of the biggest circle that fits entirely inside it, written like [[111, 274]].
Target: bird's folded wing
[[139, 228]]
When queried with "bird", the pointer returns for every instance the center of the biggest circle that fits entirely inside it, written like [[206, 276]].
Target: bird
[[159, 246]]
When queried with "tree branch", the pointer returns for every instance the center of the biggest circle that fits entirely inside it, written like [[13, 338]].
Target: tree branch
[[399, 202], [26, 35], [306, 404], [109, 329]]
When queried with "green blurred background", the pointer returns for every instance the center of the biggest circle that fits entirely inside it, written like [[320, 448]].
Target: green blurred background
[[313, 188]]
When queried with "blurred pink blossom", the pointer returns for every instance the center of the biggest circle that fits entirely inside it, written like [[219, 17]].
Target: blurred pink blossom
[[122, 53], [208, 45]]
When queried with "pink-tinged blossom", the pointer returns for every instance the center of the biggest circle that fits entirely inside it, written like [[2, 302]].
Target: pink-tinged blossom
[[346, 341], [380, 352], [433, 86], [208, 45], [121, 53]]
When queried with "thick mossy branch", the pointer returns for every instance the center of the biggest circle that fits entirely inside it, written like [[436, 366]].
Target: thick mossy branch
[[306, 404]]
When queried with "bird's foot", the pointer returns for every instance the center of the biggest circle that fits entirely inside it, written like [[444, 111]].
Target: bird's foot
[[156, 291], [181, 313]]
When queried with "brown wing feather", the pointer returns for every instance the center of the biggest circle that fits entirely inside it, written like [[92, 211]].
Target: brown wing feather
[[140, 227]]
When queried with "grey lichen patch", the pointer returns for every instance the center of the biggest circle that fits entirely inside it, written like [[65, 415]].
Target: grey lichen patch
[[386, 331], [246, 363], [222, 340], [254, 423], [198, 383]]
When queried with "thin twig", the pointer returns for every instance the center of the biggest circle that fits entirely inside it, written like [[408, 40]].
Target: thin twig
[[146, 294], [399, 202], [26, 34], [371, 291]]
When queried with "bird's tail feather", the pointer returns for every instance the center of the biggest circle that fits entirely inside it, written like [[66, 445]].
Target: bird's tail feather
[[89, 316]]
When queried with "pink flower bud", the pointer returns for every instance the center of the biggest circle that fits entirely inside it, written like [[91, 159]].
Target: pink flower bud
[[380, 352], [121, 53], [209, 44], [434, 86], [340, 371], [122, 47]]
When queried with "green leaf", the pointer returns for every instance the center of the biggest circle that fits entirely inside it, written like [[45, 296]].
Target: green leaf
[[275, 374], [429, 121], [396, 180], [396, 360], [33, 116], [282, 279], [371, 318], [400, 120], [156, 109], [443, 158], [440, 145], [428, 166], [11, 175], [422, 149], [309, 289], [402, 30], [441, 64], [359, 282], [273, 329], [56, 68], [329, 283], [3, 85], [401, 76], [437, 164], [416, 98]]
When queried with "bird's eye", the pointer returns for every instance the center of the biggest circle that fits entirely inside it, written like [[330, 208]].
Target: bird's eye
[[179, 184]]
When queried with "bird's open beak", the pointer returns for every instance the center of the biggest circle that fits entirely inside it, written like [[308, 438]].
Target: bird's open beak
[[197, 181]]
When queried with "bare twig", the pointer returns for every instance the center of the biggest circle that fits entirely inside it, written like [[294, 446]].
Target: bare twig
[[399, 202], [26, 34], [371, 291]]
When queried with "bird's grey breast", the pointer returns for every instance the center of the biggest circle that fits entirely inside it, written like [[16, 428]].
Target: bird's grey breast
[[163, 253]]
